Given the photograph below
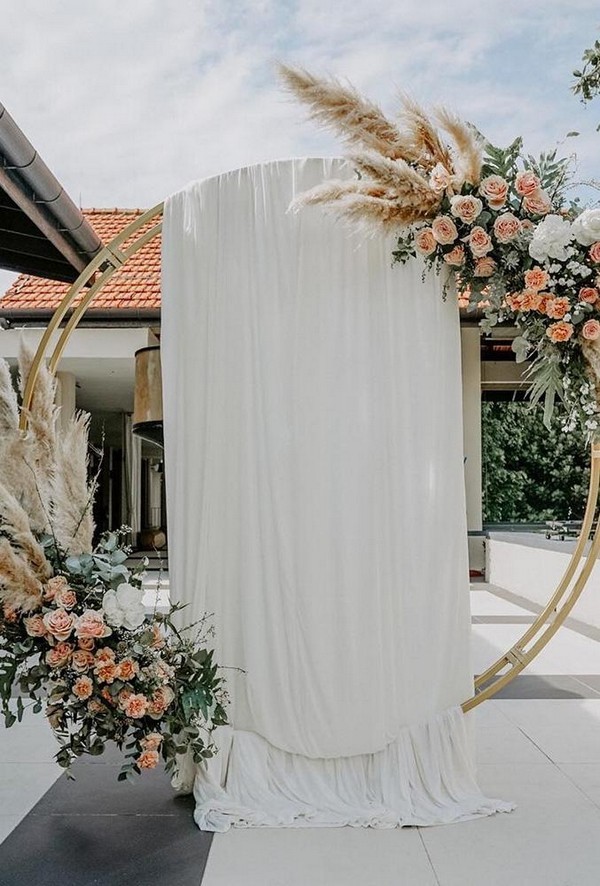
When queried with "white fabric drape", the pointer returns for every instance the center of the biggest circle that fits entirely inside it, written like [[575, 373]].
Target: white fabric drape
[[316, 505]]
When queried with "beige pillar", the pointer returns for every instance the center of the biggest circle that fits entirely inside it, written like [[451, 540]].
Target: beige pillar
[[471, 381], [66, 394]]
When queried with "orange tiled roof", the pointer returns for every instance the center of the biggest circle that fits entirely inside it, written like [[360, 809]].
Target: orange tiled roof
[[135, 286]]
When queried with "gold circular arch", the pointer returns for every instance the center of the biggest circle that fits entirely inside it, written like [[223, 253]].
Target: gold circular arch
[[546, 624]]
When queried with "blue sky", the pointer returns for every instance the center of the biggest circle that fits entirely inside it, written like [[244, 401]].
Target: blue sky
[[128, 101]]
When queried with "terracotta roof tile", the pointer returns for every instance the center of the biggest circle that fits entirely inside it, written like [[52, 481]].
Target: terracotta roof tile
[[136, 285]]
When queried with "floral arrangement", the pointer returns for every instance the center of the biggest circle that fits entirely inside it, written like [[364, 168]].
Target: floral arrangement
[[520, 252], [75, 637]]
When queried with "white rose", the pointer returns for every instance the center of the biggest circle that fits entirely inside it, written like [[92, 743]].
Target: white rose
[[586, 227], [550, 239], [123, 608]]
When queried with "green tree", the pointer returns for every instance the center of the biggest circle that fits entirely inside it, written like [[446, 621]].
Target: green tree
[[530, 473]]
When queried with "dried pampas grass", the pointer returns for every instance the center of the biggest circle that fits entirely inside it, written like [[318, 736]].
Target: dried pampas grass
[[19, 586], [15, 522], [72, 494], [9, 406], [394, 162]]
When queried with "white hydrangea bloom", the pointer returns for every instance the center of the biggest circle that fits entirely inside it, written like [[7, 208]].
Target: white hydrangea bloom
[[123, 608], [550, 239], [586, 227]]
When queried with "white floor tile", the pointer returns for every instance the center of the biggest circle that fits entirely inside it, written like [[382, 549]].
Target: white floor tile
[[506, 744], [551, 839], [483, 603], [488, 716], [318, 857], [587, 778], [532, 713], [27, 744], [23, 784]]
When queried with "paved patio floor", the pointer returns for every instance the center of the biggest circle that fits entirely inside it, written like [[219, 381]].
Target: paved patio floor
[[539, 745]]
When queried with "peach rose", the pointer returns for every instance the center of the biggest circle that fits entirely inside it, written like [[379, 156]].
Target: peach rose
[[558, 307], [34, 625], [104, 655], [127, 669], [95, 707], [160, 701], [480, 242], [558, 332], [440, 178], [506, 227], [59, 623], [591, 330], [82, 661], [10, 614], [594, 253], [53, 586], [123, 696], [152, 741], [537, 203], [425, 242], [544, 300], [147, 759], [484, 267], [59, 655], [536, 279], [526, 184], [513, 300], [66, 598], [456, 256], [158, 641], [91, 625], [530, 301], [444, 230], [136, 706], [107, 672], [83, 688], [466, 208], [105, 693], [86, 643], [495, 190], [463, 300], [588, 294]]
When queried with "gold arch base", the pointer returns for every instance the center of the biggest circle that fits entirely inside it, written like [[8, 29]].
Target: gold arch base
[[508, 666]]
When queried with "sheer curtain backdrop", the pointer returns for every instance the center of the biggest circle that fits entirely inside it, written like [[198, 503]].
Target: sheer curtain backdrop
[[314, 470]]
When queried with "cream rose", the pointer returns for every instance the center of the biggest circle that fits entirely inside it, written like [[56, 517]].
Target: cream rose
[[480, 242], [425, 242], [440, 178], [495, 190], [506, 227], [466, 208], [59, 623], [586, 227], [444, 230], [526, 184], [558, 332], [591, 330]]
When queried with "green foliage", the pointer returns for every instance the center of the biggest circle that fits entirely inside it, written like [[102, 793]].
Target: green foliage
[[502, 161], [587, 80], [531, 473]]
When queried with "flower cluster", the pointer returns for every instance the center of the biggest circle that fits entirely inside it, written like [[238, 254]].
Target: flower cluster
[[522, 255], [107, 670]]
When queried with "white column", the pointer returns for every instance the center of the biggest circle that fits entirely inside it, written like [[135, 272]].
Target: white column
[[471, 381], [132, 478], [66, 393]]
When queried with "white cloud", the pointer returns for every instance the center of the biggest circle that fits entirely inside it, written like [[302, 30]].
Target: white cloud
[[129, 101]]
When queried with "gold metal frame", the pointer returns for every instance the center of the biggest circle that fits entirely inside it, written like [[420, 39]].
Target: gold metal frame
[[508, 666]]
